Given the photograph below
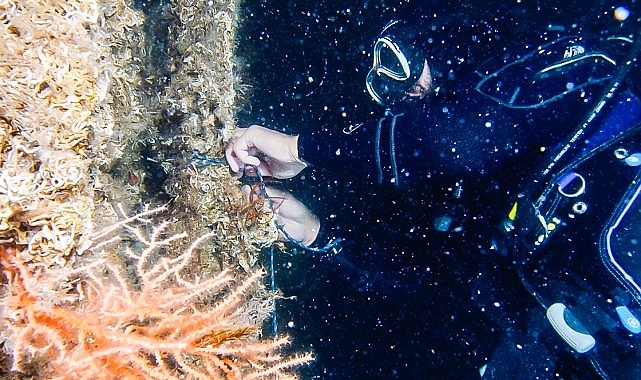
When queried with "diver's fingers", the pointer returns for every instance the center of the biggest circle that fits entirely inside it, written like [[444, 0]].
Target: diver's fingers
[[251, 193], [294, 217], [233, 151], [242, 151], [275, 193], [246, 190], [265, 171], [231, 159]]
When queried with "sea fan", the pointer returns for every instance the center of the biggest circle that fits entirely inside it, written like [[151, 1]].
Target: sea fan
[[94, 322]]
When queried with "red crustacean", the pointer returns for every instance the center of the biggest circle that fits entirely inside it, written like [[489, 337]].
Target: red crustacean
[[255, 209]]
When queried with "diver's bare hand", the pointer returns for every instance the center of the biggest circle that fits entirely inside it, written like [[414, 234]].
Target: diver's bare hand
[[274, 153], [297, 220]]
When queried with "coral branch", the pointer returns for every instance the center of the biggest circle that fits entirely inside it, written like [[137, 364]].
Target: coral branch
[[165, 324]]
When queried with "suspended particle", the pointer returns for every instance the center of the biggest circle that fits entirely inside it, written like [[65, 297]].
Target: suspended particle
[[621, 14]]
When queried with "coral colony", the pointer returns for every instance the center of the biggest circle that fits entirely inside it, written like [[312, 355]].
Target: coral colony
[[100, 279], [88, 321]]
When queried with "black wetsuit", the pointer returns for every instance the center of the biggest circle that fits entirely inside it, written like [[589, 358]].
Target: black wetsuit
[[423, 286]]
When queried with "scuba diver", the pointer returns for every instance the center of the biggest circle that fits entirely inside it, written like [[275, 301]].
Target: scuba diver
[[487, 170]]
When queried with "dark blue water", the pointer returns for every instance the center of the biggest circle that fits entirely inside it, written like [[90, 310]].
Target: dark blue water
[[401, 300]]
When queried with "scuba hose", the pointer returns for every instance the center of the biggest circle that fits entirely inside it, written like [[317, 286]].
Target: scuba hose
[[607, 95]]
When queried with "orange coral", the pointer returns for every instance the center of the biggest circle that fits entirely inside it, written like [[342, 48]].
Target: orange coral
[[90, 323]]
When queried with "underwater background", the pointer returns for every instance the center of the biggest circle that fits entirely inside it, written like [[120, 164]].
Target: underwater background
[[360, 311]]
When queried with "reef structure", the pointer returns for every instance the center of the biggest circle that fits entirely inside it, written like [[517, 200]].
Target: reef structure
[[49, 89], [104, 109]]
